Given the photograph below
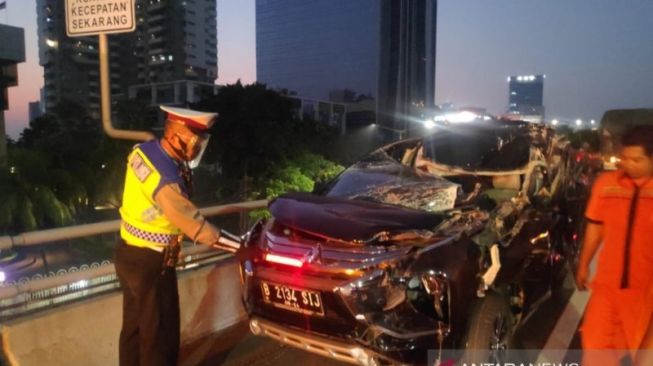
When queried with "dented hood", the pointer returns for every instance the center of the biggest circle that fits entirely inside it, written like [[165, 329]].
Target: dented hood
[[347, 219]]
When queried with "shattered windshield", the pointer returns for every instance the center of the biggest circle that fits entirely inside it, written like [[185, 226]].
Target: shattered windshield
[[396, 174], [380, 178], [493, 149]]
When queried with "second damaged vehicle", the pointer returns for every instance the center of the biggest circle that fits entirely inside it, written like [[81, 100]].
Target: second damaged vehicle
[[442, 242]]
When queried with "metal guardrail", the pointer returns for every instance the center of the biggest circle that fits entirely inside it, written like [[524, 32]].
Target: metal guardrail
[[46, 290], [31, 296], [78, 231], [7, 292]]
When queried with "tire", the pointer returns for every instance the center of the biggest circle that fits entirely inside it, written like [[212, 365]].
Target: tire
[[489, 331]]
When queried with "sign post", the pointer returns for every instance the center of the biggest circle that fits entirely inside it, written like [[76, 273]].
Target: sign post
[[101, 17]]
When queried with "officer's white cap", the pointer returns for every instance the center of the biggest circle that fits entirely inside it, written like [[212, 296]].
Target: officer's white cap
[[195, 119]]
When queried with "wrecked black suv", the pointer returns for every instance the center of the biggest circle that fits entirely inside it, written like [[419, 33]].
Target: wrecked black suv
[[441, 242]]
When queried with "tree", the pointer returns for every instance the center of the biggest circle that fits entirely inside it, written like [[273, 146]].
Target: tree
[[28, 202], [63, 165], [67, 139], [261, 148], [133, 114], [257, 129], [10, 141], [301, 174]]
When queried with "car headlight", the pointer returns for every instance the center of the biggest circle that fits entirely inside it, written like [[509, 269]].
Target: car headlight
[[436, 285], [374, 293], [428, 292]]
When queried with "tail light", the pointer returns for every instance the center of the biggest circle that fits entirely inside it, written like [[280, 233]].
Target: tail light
[[280, 259]]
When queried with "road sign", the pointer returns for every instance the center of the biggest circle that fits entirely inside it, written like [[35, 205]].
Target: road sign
[[92, 17]]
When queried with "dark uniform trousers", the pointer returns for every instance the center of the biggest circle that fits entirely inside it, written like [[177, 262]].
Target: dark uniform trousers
[[150, 320]]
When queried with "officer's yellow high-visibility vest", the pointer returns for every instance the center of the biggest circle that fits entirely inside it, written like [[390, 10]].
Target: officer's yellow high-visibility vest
[[149, 168]]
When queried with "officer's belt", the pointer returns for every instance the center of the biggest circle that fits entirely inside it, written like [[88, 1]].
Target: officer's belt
[[156, 238]]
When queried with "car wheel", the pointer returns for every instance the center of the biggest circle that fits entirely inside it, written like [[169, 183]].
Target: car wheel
[[489, 331]]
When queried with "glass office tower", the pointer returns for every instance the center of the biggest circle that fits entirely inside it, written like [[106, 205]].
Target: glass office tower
[[526, 97], [351, 51]]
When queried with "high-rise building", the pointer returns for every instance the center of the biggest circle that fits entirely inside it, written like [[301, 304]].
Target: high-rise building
[[12, 52], [34, 109], [173, 41], [70, 65], [407, 69], [526, 97], [366, 49], [37, 107]]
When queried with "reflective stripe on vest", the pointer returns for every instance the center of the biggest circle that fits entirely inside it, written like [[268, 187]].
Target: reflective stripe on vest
[[162, 239]]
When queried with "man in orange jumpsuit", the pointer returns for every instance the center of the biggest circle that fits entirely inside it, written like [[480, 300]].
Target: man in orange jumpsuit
[[620, 215]]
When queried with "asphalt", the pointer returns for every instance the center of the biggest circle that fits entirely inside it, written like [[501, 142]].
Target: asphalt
[[236, 346]]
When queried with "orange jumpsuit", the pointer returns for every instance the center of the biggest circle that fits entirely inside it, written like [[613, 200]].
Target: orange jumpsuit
[[618, 313]]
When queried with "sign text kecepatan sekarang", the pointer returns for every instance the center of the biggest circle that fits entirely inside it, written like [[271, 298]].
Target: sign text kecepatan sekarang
[[86, 17]]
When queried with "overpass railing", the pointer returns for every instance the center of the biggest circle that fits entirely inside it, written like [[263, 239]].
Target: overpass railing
[[23, 297]]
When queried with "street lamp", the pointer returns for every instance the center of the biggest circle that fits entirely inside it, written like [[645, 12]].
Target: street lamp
[[554, 122], [51, 43], [579, 122]]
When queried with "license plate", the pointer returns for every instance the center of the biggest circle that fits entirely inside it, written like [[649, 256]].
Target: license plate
[[293, 299]]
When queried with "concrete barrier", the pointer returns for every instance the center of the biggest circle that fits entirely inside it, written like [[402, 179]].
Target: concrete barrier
[[86, 332]]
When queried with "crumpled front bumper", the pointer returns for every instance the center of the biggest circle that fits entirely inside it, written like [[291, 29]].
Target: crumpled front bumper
[[324, 346]]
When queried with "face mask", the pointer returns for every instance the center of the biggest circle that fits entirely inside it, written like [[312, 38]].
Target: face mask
[[203, 142]]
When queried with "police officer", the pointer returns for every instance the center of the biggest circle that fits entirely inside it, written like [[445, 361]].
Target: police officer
[[156, 213]]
